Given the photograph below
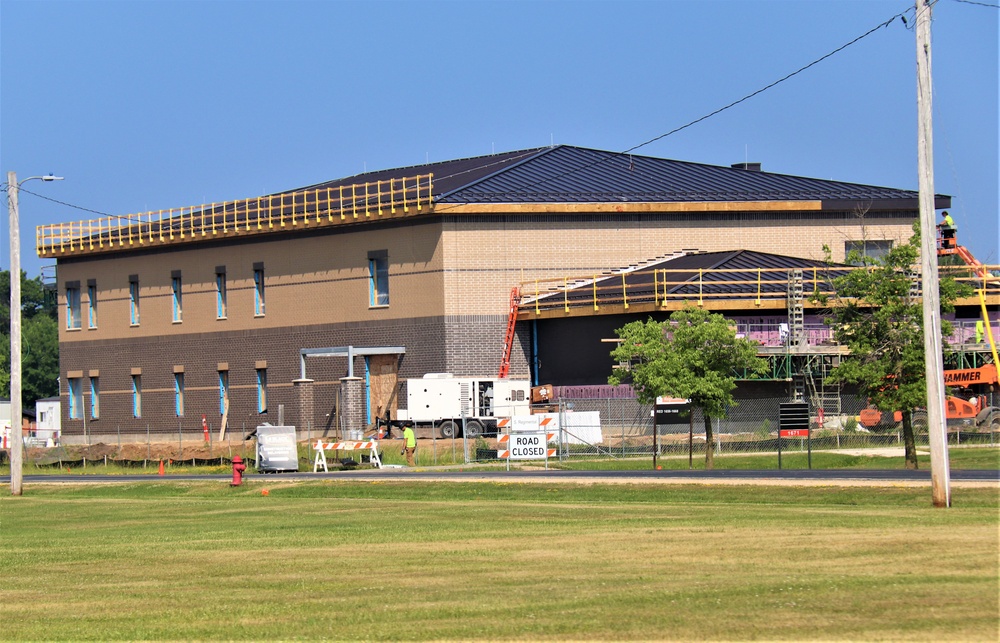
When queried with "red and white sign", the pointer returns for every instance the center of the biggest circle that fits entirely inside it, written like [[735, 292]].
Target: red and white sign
[[794, 433]]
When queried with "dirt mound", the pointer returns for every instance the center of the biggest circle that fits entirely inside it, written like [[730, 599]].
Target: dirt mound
[[135, 452]]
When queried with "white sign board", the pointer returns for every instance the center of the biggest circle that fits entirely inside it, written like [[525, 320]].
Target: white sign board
[[528, 446], [522, 423]]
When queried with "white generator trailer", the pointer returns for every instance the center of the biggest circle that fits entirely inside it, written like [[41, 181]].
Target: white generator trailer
[[447, 403]]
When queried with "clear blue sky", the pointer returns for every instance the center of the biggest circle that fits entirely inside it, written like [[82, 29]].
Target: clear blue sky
[[149, 105]]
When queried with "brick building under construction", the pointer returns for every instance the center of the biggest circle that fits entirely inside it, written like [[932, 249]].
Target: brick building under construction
[[322, 299]]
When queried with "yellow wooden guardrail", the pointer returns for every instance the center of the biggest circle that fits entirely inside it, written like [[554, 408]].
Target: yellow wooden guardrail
[[654, 287], [272, 213]]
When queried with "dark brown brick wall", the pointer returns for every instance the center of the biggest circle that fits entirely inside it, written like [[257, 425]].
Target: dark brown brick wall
[[426, 340]]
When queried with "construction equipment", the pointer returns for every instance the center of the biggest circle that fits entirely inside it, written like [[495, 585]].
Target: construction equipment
[[448, 403]]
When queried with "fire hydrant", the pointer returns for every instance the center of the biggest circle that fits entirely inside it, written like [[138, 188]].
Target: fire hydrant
[[238, 469]]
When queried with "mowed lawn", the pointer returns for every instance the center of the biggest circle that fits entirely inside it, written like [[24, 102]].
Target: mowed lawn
[[432, 560]]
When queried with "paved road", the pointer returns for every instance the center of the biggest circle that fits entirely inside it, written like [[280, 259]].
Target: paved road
[[975, 477]]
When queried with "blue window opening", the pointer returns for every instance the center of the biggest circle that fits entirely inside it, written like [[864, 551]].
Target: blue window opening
[[133, 303], [223, 391], [137, 396], [378, 278], [175, 285], [220, 295], [95, 398], [72, 308], [262, 390], [92, 306], [179, 394], [258, 292], [75, 398]]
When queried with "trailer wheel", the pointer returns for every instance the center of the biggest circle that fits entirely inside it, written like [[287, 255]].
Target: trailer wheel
[[473, 429], [919, 421], [448, 429]]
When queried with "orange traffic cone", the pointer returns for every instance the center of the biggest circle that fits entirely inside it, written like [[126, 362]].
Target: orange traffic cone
[[161, 467]]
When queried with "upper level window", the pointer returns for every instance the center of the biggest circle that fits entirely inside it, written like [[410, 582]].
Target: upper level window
[[378, 278], [91, 304], [175, 287], [73, 305], [258, 289], [133, 300], [220, 292], [866, 250]]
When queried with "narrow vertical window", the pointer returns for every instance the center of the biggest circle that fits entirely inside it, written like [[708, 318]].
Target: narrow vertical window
[[223, 391], [179, 394], [220, 292], [258, 289], [133, 300], [261, 390], [73, 305], [378, 278], [175, 286], [75, 398], [91, 304], [137, 396], [95, 398]]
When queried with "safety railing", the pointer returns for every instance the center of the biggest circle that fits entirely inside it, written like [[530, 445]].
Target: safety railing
[[315, 207], [668, 287]]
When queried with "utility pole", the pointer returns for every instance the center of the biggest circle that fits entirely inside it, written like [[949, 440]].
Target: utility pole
[[16, 435], [933, 361]]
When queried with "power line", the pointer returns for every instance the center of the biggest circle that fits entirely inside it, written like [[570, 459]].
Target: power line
[[614, 155], [68, 205], [981, 4]]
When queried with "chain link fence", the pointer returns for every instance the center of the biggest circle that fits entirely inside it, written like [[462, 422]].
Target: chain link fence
[[622, 427]]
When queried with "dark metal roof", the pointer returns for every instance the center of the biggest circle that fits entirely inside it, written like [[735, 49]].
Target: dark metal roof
[[682, 273], [569, 174]]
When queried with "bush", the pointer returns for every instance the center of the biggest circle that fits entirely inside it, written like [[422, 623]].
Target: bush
[[763, 432]]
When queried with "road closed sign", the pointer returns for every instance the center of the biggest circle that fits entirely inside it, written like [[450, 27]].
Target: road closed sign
[[525, 446]]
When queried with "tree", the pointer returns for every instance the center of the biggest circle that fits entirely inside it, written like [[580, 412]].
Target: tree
[[39, 340], [694, 355], [879, 317]]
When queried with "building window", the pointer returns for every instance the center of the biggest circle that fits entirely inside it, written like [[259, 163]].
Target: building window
[[220, 293], [262, 390], [73, 305], [866, 250], [175, 287], [179, 394], [133, 300], [223, 391], [137, 396], [95, 398], [91, 304], [75, 398], [258, 289], [378, 278]]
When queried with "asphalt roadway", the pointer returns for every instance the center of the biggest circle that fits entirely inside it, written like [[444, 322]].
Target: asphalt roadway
[[792, 477]]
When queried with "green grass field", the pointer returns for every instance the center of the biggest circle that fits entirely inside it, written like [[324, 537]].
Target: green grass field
[[395, 560]]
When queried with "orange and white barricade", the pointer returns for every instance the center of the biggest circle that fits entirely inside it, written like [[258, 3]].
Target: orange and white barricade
[[321, 448]]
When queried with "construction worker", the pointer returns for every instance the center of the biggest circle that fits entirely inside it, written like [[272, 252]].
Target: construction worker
[[980, 331], [409, 444], [947, 230]]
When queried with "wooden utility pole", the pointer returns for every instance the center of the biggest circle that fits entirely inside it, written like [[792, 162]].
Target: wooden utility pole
[[16, 437], [937, 423]]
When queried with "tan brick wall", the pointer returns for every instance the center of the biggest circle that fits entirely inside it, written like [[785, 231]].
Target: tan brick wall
[[486, 259], [308, 280]]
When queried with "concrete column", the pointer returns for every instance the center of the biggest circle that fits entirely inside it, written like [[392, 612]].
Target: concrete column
[[352, 401], [306, 408]]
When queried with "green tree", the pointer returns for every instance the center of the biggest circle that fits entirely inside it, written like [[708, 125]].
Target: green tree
[[694, 355], [39, 340], [877, 314]]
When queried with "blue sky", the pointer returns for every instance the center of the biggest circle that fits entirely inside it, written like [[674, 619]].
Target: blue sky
[[150, 105]]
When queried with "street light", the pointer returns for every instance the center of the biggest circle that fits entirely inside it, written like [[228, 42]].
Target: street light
[[17, 437]]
